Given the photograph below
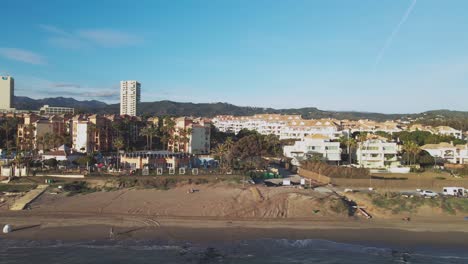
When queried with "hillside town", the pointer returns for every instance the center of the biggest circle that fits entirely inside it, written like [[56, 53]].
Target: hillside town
[[77, 153], [56, 133]]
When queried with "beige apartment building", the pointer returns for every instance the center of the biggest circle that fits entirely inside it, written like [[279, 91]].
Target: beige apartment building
[[191, 135], [7, 92], [41, 133], [130, 92]]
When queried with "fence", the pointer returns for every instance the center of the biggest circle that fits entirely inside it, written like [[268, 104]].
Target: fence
[[386, 183]]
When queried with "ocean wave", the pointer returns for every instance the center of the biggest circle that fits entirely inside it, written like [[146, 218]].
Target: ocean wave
[[249, 251]]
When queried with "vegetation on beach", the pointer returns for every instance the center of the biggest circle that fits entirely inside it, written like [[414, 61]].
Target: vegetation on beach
[[396, 203], [77, 187], [336, 171], [17, 187]]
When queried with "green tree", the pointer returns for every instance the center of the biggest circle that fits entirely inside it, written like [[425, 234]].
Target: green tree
[[412, 149], [118, 143], [51, 163], [144, 132], [350, 144]]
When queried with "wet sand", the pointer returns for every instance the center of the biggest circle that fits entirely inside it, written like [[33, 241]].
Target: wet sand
[[87, 227]]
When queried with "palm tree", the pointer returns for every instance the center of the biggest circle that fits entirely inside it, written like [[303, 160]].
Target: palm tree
[[411, 148], [145, 132], [6, 127], [118, 143], [91, 135], [361, 138], [219, 152], [176, 142], [350, 143], [168, 130], [47, 140]]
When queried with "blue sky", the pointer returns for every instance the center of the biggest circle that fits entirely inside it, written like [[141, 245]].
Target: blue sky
[[391, 56]]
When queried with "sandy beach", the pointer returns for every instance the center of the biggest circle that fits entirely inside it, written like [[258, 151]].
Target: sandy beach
[[222, 213]]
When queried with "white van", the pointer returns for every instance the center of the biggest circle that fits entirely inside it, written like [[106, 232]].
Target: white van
[[454, 191]]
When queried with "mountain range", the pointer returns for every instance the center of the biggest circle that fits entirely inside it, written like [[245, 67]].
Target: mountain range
[[213, 109]]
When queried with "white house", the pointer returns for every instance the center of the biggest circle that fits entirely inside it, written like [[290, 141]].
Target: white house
[[377, 153], [62, 153], [447, 151], [449, 131], [314, 145]]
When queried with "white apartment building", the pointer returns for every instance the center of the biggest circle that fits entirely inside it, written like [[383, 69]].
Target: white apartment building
[[51, 110], [130, 93], [283, 126], [7, 92], [313, 145], [440, 130], [377, 153], [449, 131], [80, 136], [371, 126], [263, 123], [447, 151], [303, 128]]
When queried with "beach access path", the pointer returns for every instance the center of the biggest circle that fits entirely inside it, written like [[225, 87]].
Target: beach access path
[[30, 196]]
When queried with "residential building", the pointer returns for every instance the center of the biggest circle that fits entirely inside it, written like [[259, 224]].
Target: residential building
[[155, 159], [7, 92], [51, 110], [300, 129], [313, 145], [97, 132], [370, 126], [377, 153], [41, 133], [457, 154], [80, 138], [130, 92], [62, 153], [449, 131], [283, 126], [191, 135], [91, 133], [263, 123], [440, 130]]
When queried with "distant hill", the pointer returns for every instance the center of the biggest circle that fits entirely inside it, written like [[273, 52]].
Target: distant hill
[[26, 103], [213, 109]]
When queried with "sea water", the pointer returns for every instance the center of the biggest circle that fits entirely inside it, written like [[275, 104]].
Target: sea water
[[251, 251]]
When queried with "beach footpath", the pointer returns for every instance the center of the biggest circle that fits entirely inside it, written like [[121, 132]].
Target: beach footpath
[[21, 203]]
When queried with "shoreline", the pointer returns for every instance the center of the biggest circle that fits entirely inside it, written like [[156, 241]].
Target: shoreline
[[73, 227]]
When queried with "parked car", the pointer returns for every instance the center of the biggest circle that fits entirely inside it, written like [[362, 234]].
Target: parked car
[[427, 193]]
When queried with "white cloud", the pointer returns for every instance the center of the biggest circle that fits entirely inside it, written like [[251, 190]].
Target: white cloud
[[22, 55], [109, 38], [41, 88], [82, 38]]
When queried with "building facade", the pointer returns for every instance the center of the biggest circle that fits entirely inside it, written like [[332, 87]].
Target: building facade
[[155, 159], [191, 135], [7, 92], [130, 93], [313, 146], [377, 153], [41, 133], [457, 154], [52, 110]]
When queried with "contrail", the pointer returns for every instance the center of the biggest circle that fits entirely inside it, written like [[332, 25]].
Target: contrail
[[394, 33]]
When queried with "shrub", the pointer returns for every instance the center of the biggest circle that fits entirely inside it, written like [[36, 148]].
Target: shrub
[[339, 206], [336, 171], [77, 188]]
